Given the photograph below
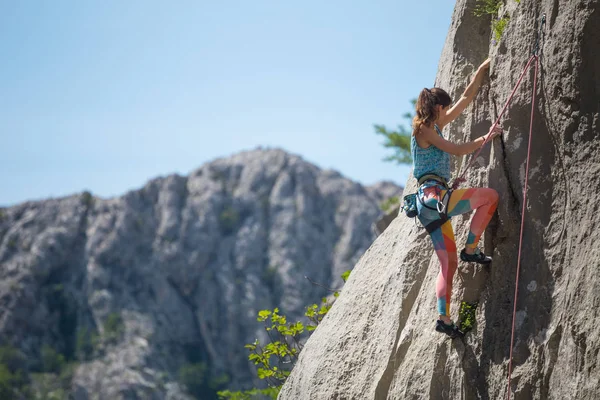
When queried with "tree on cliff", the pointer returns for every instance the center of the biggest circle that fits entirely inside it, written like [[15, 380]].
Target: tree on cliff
[[398, 140]]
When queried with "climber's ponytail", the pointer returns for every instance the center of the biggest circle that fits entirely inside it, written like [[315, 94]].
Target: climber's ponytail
[[426, 112]]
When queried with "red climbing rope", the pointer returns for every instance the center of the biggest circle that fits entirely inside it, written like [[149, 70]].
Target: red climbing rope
[[535, 56], [461, 178], [512, 334]]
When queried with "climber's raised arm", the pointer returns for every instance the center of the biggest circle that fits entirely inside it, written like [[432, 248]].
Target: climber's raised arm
[[467, 97], [458, 149]]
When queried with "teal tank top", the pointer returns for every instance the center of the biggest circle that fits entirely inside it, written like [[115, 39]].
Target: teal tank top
[[430, 160]]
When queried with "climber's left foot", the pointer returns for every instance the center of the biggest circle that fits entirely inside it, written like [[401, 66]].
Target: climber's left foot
[[449, 329]]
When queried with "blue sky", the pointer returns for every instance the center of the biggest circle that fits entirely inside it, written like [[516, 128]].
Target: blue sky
[[105, 95]]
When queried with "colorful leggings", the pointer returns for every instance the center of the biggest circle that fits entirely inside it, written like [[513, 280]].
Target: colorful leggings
[[485, 201]]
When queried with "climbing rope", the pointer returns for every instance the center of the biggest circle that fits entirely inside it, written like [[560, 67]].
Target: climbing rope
[[512, 333], [456, 183], [533, 91], [461, 179]]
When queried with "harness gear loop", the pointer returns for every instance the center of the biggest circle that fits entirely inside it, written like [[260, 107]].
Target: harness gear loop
[[442, 204]]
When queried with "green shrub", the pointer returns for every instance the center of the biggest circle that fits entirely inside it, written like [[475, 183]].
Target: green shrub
[[251, 394], [345, 277], [87, 199], [12, 375], [58, 394], [52, 361], [492, 8], [45, 386], [7, 381], [466, 316], [17, 383], [487, 7], [228, 219], [86, 343], [12, 358], [218, 382], [390, 203], [113, 326], [498, 27], [12, 244], [66, 374], [276, 359], [193, 377]]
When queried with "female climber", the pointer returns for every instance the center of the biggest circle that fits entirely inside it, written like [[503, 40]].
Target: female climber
[[436, 203]]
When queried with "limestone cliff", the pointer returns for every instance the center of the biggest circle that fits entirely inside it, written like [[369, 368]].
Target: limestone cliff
[[378, 341], [136, 287]]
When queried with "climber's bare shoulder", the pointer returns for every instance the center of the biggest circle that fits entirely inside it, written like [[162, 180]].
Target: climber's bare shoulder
[[423, 135]]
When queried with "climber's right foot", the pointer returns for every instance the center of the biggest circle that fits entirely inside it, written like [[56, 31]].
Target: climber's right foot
[[477, 257]]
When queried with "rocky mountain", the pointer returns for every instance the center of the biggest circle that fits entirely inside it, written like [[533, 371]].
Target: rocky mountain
[[120, 298], [378, 340]]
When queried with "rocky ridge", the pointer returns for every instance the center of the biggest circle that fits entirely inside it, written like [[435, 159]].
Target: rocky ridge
[[135, 287]]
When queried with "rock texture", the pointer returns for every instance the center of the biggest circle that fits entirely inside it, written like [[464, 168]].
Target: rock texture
[[378, 342], [174, 273]]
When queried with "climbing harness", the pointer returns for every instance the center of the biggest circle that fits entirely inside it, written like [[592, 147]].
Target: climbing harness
[[535, 57], [442, 204], [410, 209]]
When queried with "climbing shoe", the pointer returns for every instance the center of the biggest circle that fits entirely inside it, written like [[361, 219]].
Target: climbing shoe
[[477, 257], [450, 330]]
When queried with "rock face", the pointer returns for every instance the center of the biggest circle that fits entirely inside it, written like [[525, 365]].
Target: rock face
[[174, 273], [378, 341]]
